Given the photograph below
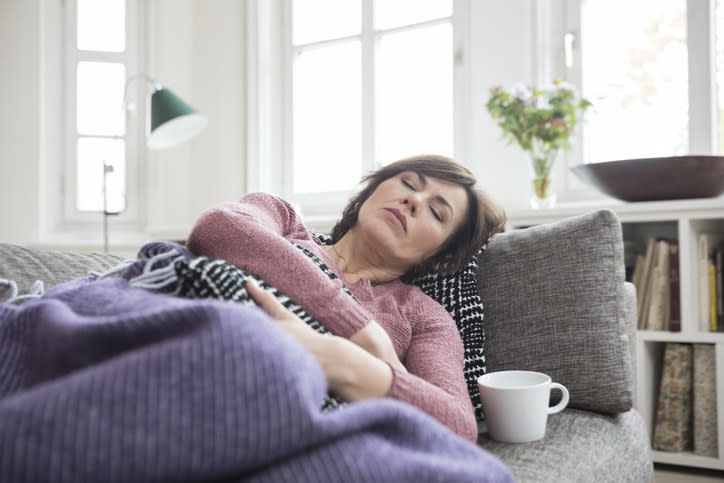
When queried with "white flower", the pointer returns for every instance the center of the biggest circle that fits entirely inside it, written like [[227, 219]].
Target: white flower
[[520, 91]]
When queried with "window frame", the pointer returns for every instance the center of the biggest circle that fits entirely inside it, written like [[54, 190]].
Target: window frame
[[69, 218], [701, 55], [269, 89]]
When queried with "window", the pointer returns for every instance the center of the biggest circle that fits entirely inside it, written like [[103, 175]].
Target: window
[[719, 19], [637, 78], [651, 68], [102, 50], [368, 82]]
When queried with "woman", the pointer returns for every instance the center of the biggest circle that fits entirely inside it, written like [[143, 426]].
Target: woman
[[390, 340]]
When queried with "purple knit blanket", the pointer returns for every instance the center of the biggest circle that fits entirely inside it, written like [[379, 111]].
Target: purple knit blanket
[[104, 382]]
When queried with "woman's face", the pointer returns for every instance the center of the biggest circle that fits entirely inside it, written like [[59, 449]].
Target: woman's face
[[410, 216]]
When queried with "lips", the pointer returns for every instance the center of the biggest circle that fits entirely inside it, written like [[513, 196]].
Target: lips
[[400, 217]]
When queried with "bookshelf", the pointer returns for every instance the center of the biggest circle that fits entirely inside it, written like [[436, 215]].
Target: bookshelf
[[685, 220]]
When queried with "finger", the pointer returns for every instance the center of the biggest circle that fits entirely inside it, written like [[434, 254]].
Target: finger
[[266, 301]]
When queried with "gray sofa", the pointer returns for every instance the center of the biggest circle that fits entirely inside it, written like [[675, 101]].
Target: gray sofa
[[555, 301]]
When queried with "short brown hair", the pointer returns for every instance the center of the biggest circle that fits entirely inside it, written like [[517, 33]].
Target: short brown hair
[[485, 217]]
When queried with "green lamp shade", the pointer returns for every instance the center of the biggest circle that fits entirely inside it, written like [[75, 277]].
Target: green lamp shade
[[171, 120]]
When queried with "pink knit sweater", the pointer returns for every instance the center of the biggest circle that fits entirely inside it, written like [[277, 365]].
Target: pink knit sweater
[[255, 233]]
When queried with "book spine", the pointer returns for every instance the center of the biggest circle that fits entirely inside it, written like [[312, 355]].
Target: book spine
[[705, 406], [658, 310], [675, 290], [644, 299], [704, 324], [673, 416], [703, 259], [719, 302], [712, 297]]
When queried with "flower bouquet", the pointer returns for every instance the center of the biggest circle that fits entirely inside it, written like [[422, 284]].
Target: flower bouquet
[[541, 122]]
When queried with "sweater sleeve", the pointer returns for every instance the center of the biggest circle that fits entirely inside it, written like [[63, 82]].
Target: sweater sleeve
[[254, 233], [435, 382]]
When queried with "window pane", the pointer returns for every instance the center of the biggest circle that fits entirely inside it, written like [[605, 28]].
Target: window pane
[[415, 93], [100, 95], [327, 118], [314, 20], [102, 25], [720, 69], [637, 78], [395, 13], [92, 152]]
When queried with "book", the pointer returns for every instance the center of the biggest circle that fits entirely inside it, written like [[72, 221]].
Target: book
[[704, 401], [674, 287], [703, 281], [712, 296], [657, 315], [672, 431], [719, 305], [707, 281], [638, 272], [643, 298]]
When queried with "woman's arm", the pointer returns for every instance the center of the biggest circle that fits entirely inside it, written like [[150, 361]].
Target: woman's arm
[[434, 380], [351, 372], [434, 384], [255, 233]]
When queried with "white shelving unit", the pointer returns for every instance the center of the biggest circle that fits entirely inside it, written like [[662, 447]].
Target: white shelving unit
[[684, 219]]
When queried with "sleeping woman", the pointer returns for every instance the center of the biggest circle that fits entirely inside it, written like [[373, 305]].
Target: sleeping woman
[[414, 216]]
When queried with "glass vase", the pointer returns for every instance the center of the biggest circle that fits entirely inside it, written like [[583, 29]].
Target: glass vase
[[541, 164]]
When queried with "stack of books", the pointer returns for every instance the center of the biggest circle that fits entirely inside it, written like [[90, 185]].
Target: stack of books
[[711, 282], [686, 416], [656, 277]]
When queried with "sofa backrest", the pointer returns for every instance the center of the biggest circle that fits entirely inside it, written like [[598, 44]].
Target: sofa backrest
[[556, 302]]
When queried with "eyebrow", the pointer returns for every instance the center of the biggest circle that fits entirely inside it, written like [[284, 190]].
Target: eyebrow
[[439, 198]]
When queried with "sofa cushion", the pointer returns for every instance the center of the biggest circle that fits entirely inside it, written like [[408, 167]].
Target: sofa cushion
[[555, 303], [581, 446], [25, 265]]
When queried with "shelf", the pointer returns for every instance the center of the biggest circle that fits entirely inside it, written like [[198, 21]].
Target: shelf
[[683, 337], [687, 459], [627, 212]]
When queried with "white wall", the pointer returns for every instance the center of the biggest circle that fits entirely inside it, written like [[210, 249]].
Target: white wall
[[197, 50], [19, 120], [501, 39]]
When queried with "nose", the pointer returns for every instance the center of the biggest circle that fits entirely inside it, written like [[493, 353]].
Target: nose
[[412, 202]]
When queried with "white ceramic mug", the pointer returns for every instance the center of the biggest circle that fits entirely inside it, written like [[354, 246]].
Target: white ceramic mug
[[516, 404]]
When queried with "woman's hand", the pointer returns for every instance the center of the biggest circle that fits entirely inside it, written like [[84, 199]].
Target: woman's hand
[[375, 340], [351, 371], [272, 306], [372, 337]]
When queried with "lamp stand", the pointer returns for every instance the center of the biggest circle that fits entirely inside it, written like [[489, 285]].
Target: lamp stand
[[107, 168]]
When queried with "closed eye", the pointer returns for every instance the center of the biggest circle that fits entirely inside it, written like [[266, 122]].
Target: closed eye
[[408, 184], [436, 214]]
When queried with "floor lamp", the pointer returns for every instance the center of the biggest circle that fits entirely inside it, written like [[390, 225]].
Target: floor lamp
[[169, 121]]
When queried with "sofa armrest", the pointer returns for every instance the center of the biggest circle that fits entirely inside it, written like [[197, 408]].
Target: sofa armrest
[[555, 301], [25, 265]]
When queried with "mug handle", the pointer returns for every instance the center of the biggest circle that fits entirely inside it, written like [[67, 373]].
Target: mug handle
[[564, 399]]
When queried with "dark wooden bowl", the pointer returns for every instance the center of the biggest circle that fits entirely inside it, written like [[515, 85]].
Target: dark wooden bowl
[[649, 179]]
